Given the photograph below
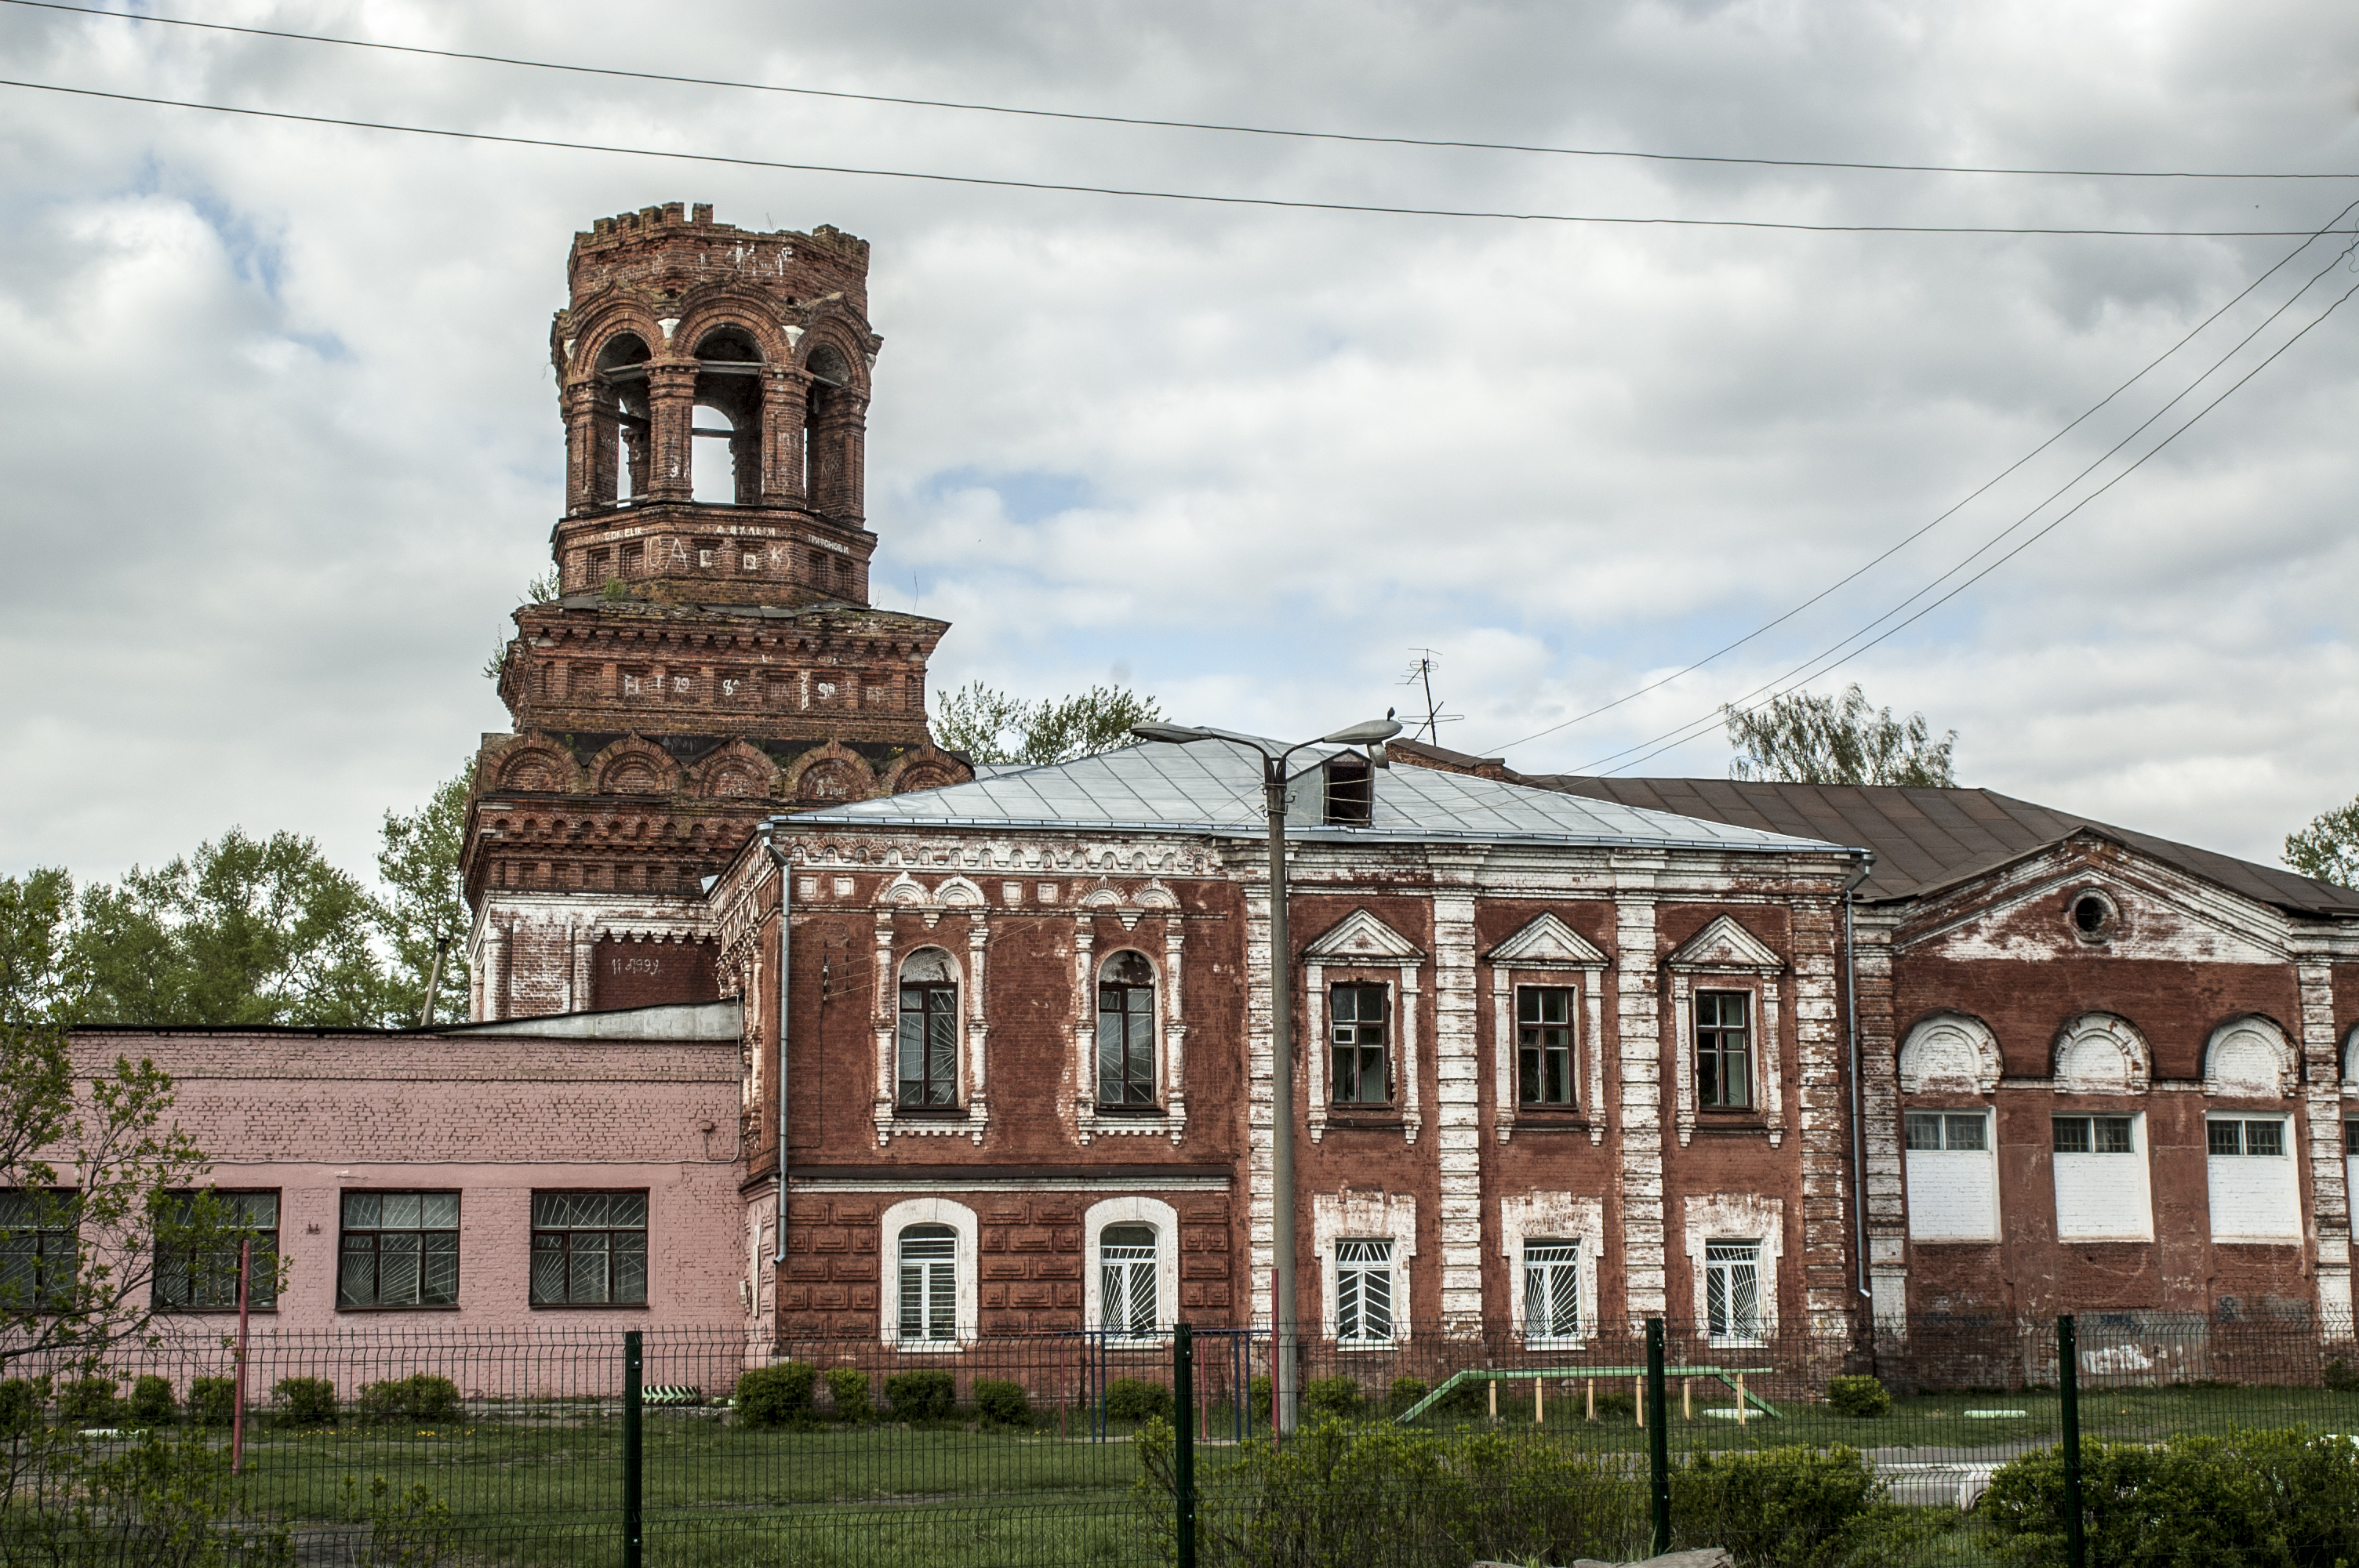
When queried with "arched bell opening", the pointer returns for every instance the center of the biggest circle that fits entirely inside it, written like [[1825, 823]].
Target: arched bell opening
[[724, 465]]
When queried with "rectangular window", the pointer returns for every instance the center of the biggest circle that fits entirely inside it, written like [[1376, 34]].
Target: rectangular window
[[1953, 1178], [1731, 1289], [2101, 1188], [589, 1249], [1127, 1278], [2255, 1194], [1363, 1292], [187, 1280], [928, 1046], [1126, 1036], [401, 1250], [928, 1282], [38, 1248], [1551, 1290], [2095, 1135], [1544, 1044], [1724, 1050], [1357, 1019], [2241, 1138]]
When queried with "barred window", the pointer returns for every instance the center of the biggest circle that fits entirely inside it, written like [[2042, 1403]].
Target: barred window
[[1363, 1291], [401, 1250], [2260, 1137], [191, 1279], [1731, 1289], [1126, 1291], [1551, 1290], [928, 1282], [38, 1248], [2093, 1135], [1932, 1129], [1544, 1039], [589, 1249]]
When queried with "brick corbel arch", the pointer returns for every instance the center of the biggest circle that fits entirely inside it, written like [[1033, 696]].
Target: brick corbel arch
[[635, 766], [736, 770]]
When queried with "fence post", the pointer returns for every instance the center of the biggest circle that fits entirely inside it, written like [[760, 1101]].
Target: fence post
[[2067, 1385], [1183, 1399], [633, 1531], [1658, 1439]]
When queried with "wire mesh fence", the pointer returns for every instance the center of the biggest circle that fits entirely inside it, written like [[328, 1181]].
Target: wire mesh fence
[[1439, 1445]]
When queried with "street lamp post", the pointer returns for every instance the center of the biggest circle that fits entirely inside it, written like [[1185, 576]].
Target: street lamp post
[[1283, 1385]]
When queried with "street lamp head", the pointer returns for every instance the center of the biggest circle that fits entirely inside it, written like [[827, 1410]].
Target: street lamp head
[[1175, 734], [1368, 734]]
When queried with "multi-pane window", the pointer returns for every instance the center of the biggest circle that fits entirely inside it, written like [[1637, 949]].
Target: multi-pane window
[[1126, 1292], [1544, 1044], [1551, 1290], [928, 1264], [36, 1248], [2254, 1189], [191, 1278], [1356, 1029], [1723, 1049], [1731, 1289], [928, 1044], [1126, 1031], [401, 1250], [589, 1249], [2093, 1135], [2257, 1136], [1932, 1129], [1363, 1291]]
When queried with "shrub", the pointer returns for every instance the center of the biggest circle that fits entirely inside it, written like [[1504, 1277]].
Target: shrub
[[210, 1400], [927, 1395], [311, 1401], [1002, 1404], [1136, 1399], [1258, 1401], [775, 1395], [848, 1386], [21, 1400], [1339, 1396], [1778, 1508], [1463, 1401], [87, 1401], [1406, 1392], [1615, 1404], [151, 1400], [2340, 1376], [421, 1396], [1860, 1397]]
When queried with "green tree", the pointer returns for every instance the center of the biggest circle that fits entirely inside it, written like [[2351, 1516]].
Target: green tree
[[425, 900], [35, 922], [1802, 739], [2329, 848], [991, 726]]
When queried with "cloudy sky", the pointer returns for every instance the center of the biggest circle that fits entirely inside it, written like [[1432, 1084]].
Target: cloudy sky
[[281, 443]]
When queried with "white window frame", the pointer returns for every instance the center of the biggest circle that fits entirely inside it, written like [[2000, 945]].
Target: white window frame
[[2091, 1166], [1756, 1255], [955, 896], [1983, 1162], [1132, 1211], [1571, 1271], [1736, 1216], [1359, 945], [2274, 1178], [1363, 1216], [1549, 952], [965, 1316], [1366, 1271], [1567, 1216], [1724, 956], [1150, 904]]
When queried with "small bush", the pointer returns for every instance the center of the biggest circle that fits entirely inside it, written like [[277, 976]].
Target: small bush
[[848, 1386], [21, 1400], [2340, 1376], [87, 1401], [775, 1395], [151, 1401], [1257, 1399], [311, 1401], [1002, 1404], [1406, 1392], [928, 1395], [1781, 1506], [1136, 1399], [423, 1397], [1860, 1397], [1615, 1404], [1463, 1401], [1339, 1396], [210, 1400]]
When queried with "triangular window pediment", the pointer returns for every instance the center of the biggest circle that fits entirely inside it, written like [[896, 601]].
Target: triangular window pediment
[[1546, 941], [1362, 935], [1724, 945]]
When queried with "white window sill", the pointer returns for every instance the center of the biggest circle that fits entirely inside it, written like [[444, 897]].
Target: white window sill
[[1738, 1342], [930, 1346], [1554, 1342]]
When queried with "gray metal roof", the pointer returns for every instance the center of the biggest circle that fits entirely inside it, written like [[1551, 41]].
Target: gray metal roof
[[1215, 786]]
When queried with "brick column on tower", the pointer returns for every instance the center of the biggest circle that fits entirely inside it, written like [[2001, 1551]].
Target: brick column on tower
[[671, 401], [784, 390], [835, 459]]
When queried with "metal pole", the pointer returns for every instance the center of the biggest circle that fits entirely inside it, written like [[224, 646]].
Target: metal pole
[[1282, 1388], [1183, 1399], [1658, 1439], [633, 1525], [2068, 1384], [237, 1395]]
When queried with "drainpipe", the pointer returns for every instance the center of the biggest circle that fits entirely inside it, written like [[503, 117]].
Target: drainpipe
[[786, 933], [1851, 1029]]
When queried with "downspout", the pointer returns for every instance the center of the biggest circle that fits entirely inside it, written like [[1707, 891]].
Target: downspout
[[785, 933], [1851, 1029]]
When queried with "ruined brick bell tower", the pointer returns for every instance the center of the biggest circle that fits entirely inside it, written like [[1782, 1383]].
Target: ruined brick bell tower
[[711, 658]]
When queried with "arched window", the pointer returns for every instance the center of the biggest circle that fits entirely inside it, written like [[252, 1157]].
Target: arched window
[[711, 468], [1126, 1031], [620, 469], [724, 464], [929, 1264], [1127, 1288], [823, 463], [929, 1040]]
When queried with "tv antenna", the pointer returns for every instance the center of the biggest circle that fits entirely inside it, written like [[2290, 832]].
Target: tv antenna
[[1420, 674]]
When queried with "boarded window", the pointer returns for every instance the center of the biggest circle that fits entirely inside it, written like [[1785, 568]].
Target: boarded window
[[2254, 1193], [1952, 1176], [401, 1250], [189, 1278], [590, 1249], [2102, 1193], [1363, 1291]]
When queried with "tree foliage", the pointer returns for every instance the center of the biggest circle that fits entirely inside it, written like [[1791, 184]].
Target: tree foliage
[[991, 726], [425, 900], [1799, 737], [2329, 848]]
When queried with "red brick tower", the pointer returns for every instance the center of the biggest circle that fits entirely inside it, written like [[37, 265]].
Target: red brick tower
[[707, 663]]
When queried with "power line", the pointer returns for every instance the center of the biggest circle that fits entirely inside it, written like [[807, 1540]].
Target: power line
[[1219, 127], [1770, 625], [1200, 197]]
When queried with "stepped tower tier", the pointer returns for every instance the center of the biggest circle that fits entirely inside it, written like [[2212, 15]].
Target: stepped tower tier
[[711, 658]]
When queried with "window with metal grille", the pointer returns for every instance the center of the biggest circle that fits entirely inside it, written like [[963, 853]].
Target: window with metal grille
[[1543, 1044], [929, 1264], [401, 1250], [928, 1044], [1731, 1289], [1551, 1290], [1357, 1019], [1363, 1291], [1127, 1290], [2262, 1138], [1724, 1050], [2093, 1135], [1932, 1129], [590, 1249], [1126, 1031], [189, 1279], [38, 1248]]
